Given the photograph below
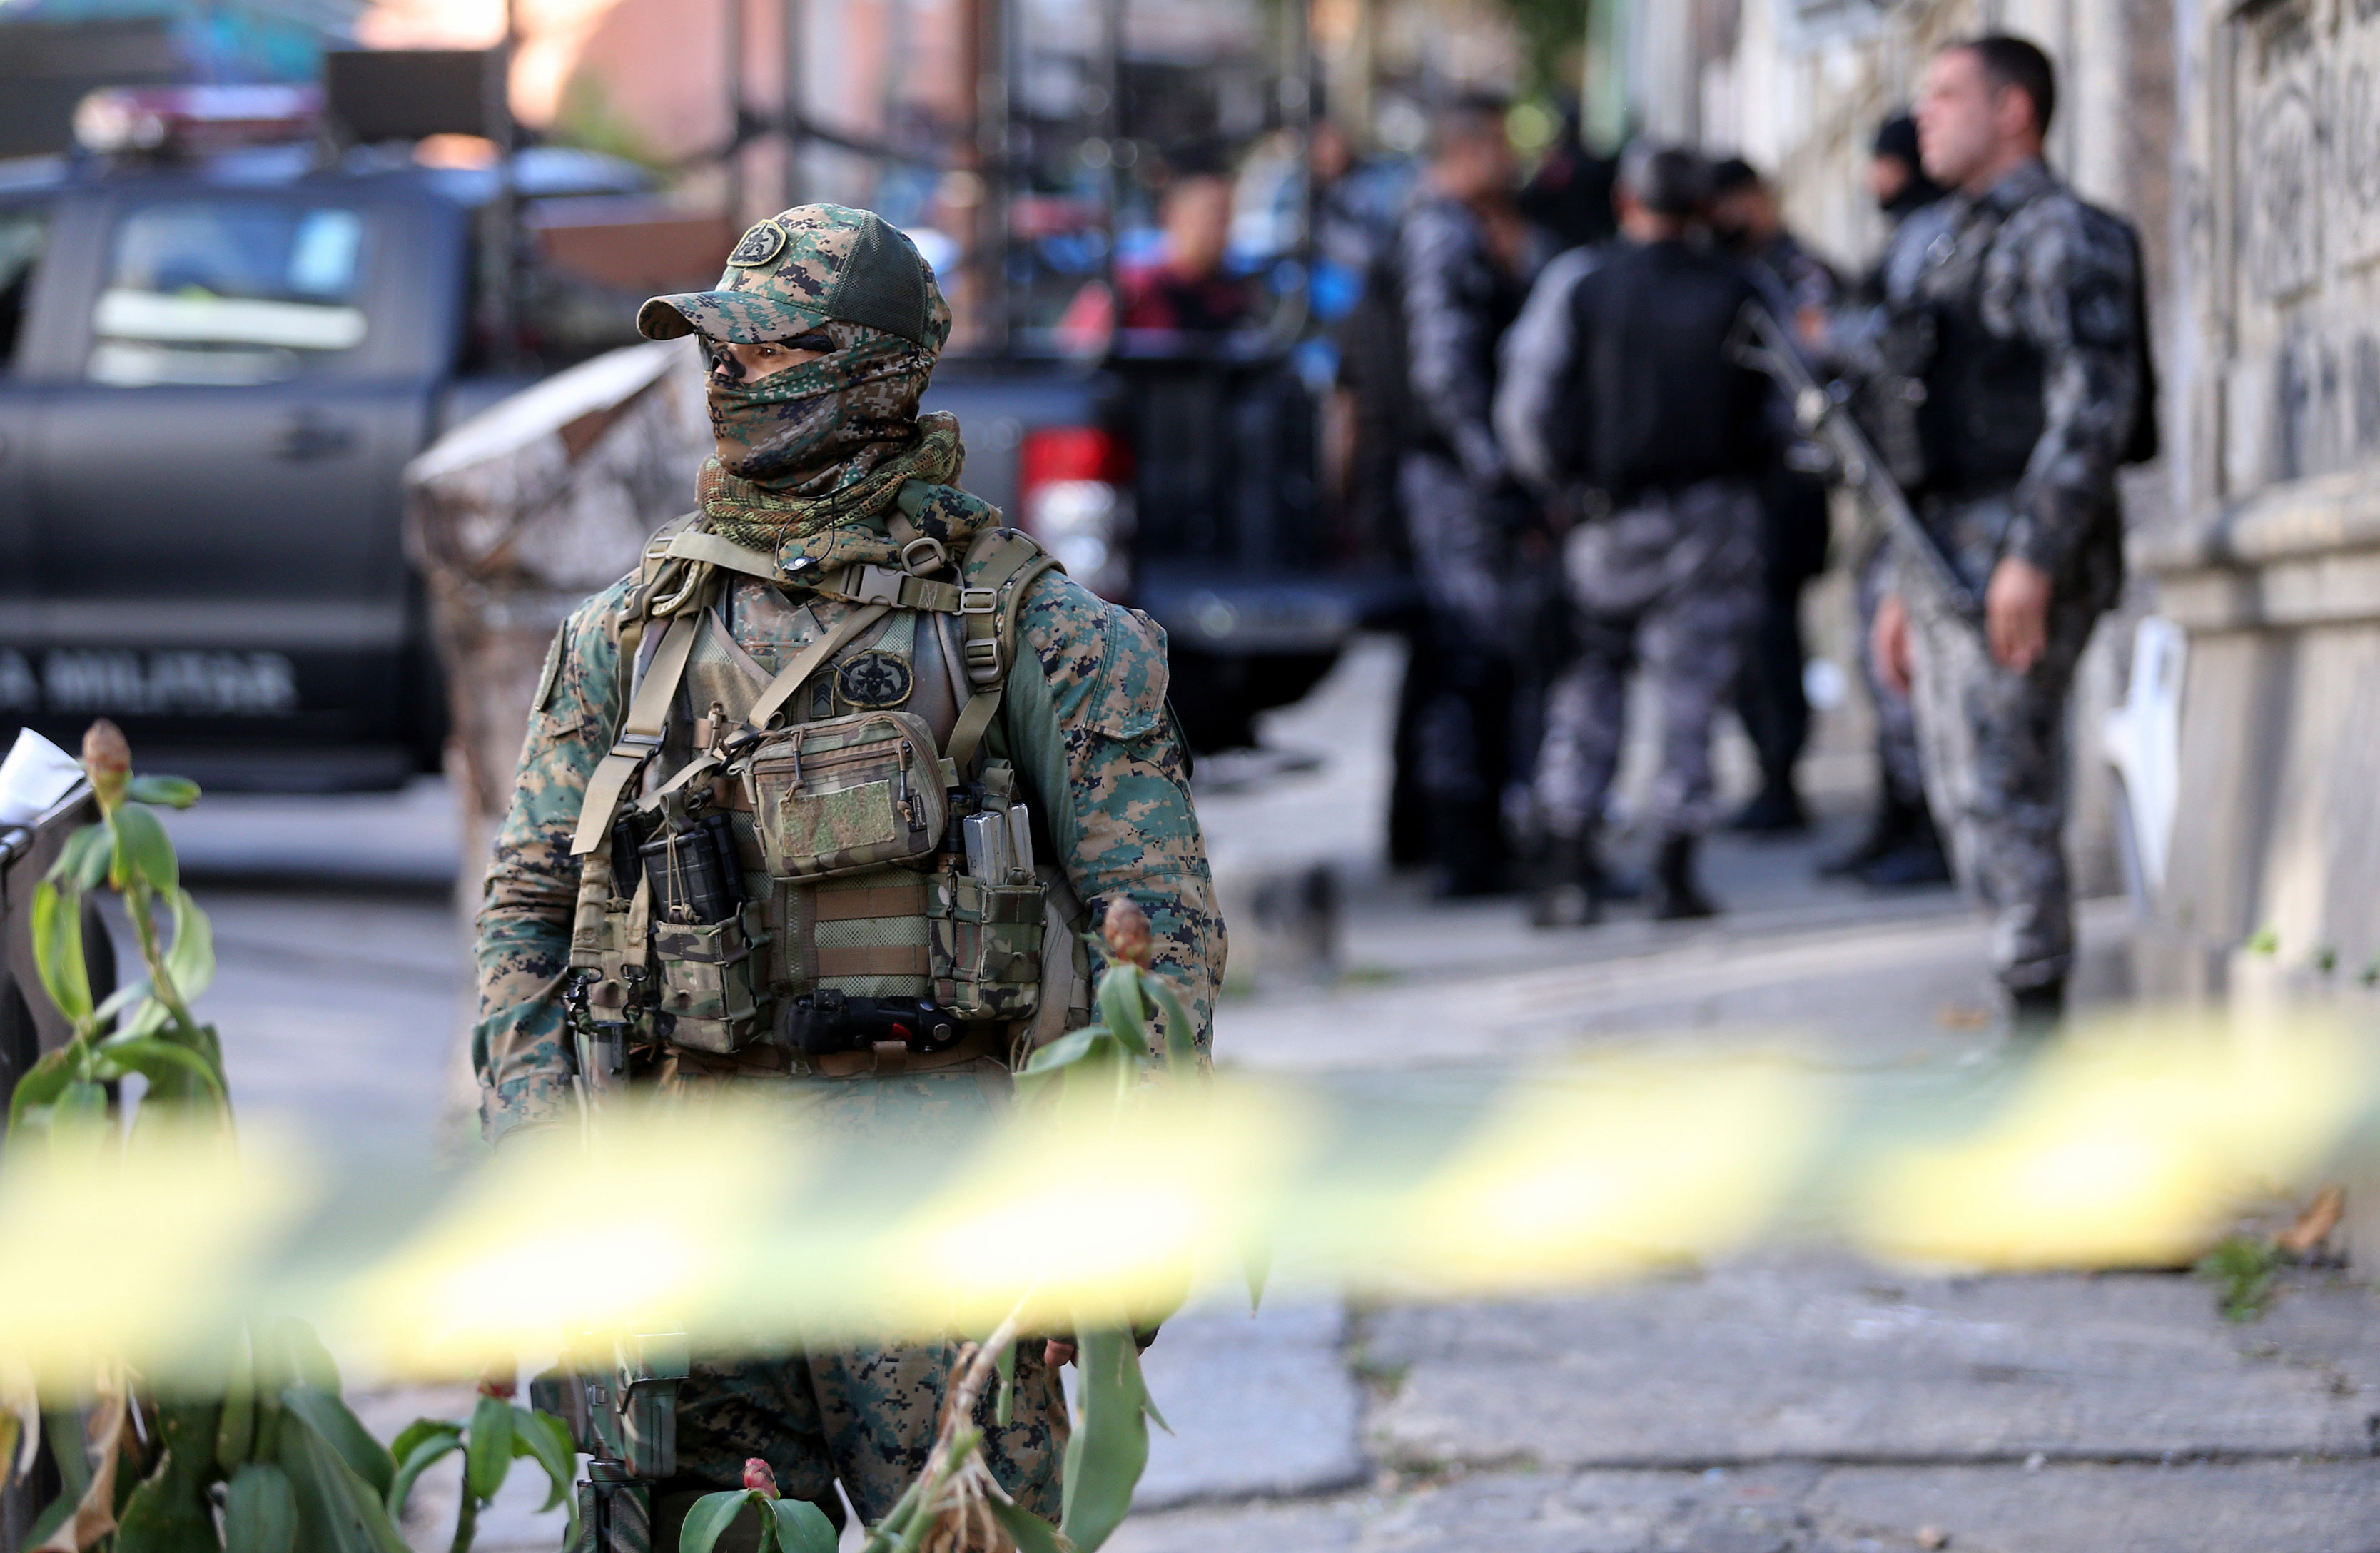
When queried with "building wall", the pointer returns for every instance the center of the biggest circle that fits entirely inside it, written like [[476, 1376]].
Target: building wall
[[2275, 568]]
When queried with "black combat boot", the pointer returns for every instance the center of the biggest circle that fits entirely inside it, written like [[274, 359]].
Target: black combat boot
[[2036, 1013], [1675, 895], [1895, 818], [1774, 811], [1569, 885], [1918, 860], [1468, 853]]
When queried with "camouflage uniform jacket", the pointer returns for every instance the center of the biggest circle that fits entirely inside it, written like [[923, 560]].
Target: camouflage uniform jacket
[[1083, 720], [2038, 264]]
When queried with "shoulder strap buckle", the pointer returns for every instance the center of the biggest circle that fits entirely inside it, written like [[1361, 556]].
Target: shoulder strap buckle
[[925, 555], [876, 585], [978, 601]]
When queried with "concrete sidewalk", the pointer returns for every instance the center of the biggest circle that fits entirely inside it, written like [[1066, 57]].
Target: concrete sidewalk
[[1792, 1401]]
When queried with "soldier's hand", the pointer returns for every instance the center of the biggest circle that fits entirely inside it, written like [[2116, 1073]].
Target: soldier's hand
[[1888, 642], [1056, 1354], [2016, 614]]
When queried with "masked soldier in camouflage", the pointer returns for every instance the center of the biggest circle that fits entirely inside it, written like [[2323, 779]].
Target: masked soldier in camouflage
[[2014, 380], [778, 811]]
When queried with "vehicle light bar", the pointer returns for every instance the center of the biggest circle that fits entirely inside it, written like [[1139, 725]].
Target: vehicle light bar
[[189, 120]]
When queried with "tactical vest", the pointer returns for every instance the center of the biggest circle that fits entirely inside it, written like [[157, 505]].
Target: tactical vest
[[818, 870], [1961, 408]]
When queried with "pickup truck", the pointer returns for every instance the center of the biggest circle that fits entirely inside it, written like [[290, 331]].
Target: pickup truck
[[212, 375], [1179, 479]]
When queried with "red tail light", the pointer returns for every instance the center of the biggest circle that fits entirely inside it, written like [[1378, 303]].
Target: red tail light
[[1055, 452], [1073, 496]]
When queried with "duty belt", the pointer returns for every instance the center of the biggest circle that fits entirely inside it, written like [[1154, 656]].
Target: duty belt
[[886, 1058]]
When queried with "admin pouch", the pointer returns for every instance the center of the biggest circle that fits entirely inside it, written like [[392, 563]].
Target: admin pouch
[[818, 870]]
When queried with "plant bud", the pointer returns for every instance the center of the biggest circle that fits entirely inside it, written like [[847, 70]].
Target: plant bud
[[108, 761], [759, 1477], [1125, 928]]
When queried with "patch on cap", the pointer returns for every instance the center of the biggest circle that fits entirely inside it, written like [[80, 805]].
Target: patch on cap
[[762, 243]]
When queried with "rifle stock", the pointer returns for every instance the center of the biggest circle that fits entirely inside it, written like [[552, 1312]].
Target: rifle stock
[[1760, 342]]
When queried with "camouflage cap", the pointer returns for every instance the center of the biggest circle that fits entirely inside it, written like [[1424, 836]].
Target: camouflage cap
[[798, 269]]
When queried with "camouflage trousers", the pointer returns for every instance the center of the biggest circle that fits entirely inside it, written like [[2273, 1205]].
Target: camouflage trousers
[[1994, 747], [1674, 584], [1898, 764], [861, 1416]]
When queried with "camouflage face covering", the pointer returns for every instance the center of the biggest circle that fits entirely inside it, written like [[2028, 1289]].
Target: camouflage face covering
[[755, 515], [811, 429]]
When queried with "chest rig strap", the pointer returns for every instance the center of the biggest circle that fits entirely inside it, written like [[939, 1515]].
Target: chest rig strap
[[640, 736], [1005, 565]]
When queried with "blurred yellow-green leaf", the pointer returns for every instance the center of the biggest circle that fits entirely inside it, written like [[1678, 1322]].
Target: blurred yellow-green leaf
[[172, 792], [261, 1510], [58, 950]]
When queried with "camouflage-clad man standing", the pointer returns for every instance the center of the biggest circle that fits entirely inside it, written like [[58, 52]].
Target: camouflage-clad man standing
[[838, 600], [2016, 341]]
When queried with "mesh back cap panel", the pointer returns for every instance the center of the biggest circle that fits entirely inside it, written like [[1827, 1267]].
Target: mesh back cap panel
[[882, 284]]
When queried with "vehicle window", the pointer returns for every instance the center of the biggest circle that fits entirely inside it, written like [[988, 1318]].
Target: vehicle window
[[21, 231], [229, 292]]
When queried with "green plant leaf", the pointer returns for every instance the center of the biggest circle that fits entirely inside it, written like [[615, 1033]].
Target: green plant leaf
[[545, 1440], [310, 1363], [709, 1519], [1256, 1262], [269, 1358], [147, 1020], [168, 1512], [338, 1509], [261, 1510], [58, 950], [1028, 1530], [413, 1434], [82, 861], [163, 1064], [490, 1451], [1004, 1406], [329, 1420], [1109, 1448], [190, 963], [236, 1430], [1066, 1050], [43, 1083], [412, 1463], [802, 1527], [1122, 1009], [143, 850], [118, 1001], [81, 1111], [1181, 1036], [172, 792]]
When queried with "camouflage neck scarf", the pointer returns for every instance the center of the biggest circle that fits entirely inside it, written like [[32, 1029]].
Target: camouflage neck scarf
[[763, 517]]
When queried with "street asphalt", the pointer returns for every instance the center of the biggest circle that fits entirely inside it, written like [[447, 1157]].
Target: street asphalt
[[1789, 1401]]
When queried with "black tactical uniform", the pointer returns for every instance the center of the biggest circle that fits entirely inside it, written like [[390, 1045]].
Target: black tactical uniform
[[2011, 383], [1458, 499], [1620, 399]]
